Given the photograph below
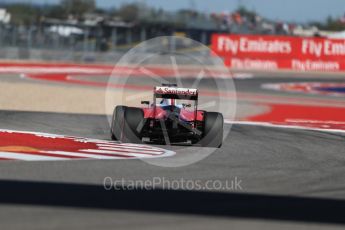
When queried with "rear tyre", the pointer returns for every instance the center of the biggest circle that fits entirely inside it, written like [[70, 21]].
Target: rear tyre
[[134, 117], [117, 122], [126, 124], [213, 130]]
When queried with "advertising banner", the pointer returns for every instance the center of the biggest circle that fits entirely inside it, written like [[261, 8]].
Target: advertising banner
[[268, 52]]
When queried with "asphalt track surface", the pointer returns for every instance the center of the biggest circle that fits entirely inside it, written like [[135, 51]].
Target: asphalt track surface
[[289, 179]]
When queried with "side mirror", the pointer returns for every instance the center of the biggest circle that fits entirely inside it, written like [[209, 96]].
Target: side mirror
[[145, 102]]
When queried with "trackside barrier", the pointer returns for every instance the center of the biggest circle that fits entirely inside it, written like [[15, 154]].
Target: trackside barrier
[[268, 52]]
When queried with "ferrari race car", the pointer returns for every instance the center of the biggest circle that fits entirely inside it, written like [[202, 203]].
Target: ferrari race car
[[173, 117]]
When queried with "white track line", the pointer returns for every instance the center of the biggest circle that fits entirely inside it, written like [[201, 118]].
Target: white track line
[[29, 157], [327, 122], [267, 124], [128, 147], [53, 70], [125, 154], [85, 155], [124, 150]]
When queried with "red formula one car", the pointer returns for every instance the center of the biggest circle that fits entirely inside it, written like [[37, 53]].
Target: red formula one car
[[173, 117]]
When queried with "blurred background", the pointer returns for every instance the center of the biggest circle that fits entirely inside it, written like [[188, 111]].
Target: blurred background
[[91, 30]]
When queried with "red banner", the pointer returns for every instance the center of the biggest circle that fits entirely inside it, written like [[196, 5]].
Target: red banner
[[292, 64], [280, 52]]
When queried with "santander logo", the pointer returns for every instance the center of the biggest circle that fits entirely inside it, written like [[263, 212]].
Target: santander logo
[[178, 91]]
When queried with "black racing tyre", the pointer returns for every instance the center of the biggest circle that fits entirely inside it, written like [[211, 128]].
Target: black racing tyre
[[213, 130], [125, 124], [134, 117], [117, 122]]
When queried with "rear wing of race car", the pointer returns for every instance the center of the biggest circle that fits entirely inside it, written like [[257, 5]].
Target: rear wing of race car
[[175, 93]]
